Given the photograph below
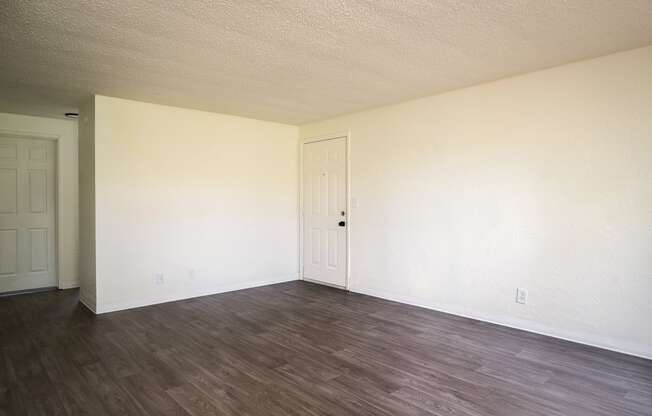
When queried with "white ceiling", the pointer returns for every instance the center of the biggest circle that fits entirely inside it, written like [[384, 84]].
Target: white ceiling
[[289, 60]]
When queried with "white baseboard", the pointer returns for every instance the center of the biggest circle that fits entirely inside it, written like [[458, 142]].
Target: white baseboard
[[90, 305], [69, 285], [640, 351], [137, 303]]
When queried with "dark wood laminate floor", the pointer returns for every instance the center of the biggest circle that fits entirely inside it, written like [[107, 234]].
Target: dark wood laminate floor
[[297, 349]]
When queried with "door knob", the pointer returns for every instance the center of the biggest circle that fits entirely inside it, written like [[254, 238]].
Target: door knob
[[341, 223]]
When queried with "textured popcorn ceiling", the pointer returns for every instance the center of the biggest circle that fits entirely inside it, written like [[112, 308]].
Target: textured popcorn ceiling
[[292, 61]]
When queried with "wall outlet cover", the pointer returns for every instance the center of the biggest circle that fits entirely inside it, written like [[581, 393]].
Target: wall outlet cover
[[521, 296]]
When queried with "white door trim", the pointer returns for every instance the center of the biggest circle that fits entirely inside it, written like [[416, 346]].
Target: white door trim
[[12, 134], [349, 214]]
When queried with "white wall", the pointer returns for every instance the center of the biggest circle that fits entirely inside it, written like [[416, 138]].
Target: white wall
[[65, 132], [87, 203], [542, 181], [208, 200]]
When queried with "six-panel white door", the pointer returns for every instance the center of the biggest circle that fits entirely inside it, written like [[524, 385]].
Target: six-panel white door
[[324, 211], [27, 214]]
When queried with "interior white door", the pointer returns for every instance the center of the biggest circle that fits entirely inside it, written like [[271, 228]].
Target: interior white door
[[324, 211], [27, 214]]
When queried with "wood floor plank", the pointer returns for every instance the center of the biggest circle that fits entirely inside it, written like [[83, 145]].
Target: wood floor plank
[[297, 349], [113, 397]]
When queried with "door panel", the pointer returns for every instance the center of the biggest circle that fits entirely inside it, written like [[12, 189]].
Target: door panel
[[38, 240], [27, 214], [38, 191], [8, 190], [324, 206], [8, 251]]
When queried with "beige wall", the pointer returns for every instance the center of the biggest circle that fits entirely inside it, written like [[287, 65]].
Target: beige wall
[[542, 181], [65, 132], [208, 200]]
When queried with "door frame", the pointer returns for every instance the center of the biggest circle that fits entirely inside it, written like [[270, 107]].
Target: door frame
[[13, 134], [347, 168]]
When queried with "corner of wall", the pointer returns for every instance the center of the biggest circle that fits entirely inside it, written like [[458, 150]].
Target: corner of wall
[[88, 302], [87, 269]]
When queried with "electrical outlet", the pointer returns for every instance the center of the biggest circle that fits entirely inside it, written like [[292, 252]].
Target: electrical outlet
[[521, 295], [159, 278]]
